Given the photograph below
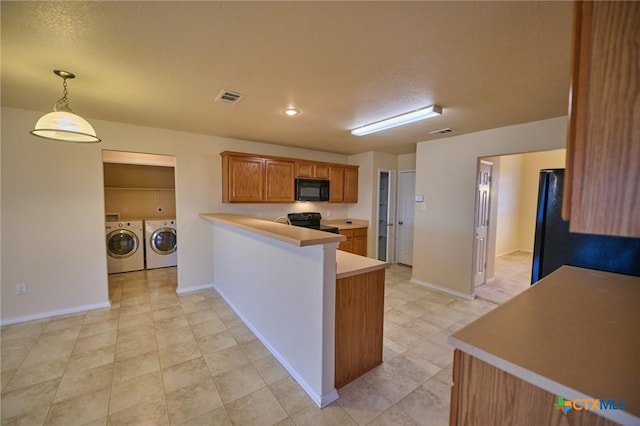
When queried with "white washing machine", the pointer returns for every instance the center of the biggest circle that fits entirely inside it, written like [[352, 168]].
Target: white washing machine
[[161, 243], [125, 248]]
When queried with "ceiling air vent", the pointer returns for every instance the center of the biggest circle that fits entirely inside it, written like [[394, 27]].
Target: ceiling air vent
[[229, 97], [442, 131]]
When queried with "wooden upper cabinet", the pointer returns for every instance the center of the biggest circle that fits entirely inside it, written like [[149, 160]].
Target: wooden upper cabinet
[[242, 179], [321, 171], [351, 185], [336, 179], [304, 169], [602, 181], [253, 178], [310, 169], [280, 181]]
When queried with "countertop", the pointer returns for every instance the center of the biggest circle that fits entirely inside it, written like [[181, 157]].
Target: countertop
[[349, 264], [295, 235], [575, 334], [342, 224]]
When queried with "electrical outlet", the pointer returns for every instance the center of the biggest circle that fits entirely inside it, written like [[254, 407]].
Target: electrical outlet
[[21, 289]]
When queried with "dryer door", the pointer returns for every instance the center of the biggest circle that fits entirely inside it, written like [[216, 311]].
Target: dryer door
[[121, 243], [164, 240]]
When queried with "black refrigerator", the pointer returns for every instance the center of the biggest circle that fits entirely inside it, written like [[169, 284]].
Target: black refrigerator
[[555, 246]]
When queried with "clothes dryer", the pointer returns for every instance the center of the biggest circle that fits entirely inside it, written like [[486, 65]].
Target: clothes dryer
[[161, 243], [125, 248]]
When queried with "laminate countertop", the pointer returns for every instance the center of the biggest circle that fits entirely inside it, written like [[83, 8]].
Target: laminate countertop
[[349, 264], [295, 235], [574, 334]]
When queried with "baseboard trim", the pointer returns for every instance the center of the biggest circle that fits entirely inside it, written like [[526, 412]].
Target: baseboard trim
[[320, 400], [443, 289], [529, 251], [55, 313], [181, 290]]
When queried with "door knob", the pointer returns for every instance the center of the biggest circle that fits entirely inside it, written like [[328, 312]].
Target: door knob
[[400, 223]]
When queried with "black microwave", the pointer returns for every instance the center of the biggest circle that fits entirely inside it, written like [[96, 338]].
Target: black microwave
[[312, 190]]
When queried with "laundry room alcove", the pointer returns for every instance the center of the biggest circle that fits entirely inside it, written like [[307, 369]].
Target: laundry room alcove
[[140, 187]]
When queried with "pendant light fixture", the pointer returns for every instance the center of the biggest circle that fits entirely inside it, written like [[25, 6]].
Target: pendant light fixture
[[62, 124]]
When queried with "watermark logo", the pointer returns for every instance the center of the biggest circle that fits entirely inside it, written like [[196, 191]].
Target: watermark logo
[[588, 404]]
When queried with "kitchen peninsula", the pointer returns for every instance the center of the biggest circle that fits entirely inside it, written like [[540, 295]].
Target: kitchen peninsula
[[565, 351], [281, 281]]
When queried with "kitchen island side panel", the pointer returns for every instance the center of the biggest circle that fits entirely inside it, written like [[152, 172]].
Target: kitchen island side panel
[[286, 295]]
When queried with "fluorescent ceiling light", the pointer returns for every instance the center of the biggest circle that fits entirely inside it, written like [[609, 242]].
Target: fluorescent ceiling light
[[398, 120]]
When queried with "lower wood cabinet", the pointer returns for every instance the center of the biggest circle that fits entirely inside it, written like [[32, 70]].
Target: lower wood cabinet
[[485, 395], [359, 325], [356, 241]]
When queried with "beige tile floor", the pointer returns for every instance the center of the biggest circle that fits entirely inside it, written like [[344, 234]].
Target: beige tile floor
[[156, 358], [512, 277]]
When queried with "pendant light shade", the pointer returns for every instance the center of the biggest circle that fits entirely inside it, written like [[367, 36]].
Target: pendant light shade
[[62, 124], [65, 126]]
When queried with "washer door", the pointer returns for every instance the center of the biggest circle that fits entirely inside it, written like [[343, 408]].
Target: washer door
[[164, 241], [121, 243]]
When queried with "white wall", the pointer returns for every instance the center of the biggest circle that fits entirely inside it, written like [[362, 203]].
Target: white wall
[[508, 220], [518, 196], [53, 209], [292, 312], [446, 175], [407, 162]]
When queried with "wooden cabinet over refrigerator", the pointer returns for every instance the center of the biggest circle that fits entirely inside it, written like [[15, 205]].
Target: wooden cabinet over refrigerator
[[602, 181]]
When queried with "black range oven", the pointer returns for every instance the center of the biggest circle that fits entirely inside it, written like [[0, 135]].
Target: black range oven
[[310, 220]]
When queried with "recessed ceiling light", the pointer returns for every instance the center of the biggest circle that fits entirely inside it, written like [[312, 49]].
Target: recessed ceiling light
[[291, 112]]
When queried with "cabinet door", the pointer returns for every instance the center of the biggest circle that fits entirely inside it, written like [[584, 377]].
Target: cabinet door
[[304, 169], [336, 178], [245, 180], [279, 181], [350, 185], [360, 242], [321, 171], [602, 194], [348, 244]]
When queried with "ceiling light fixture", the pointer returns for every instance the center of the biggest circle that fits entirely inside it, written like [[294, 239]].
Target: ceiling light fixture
[[291, 112], [62, 124], [398, 120]]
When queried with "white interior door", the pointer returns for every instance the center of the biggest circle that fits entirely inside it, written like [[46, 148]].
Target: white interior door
[[406, 212], [482, 223]]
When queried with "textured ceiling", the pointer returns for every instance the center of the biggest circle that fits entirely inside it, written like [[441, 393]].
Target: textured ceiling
[[343, 64]]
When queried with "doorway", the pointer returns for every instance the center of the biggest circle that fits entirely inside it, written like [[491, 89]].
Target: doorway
[[406, 214], [513, 207], [385, 212]]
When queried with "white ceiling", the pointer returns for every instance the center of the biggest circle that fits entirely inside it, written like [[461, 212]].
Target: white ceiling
[[343, 64]]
